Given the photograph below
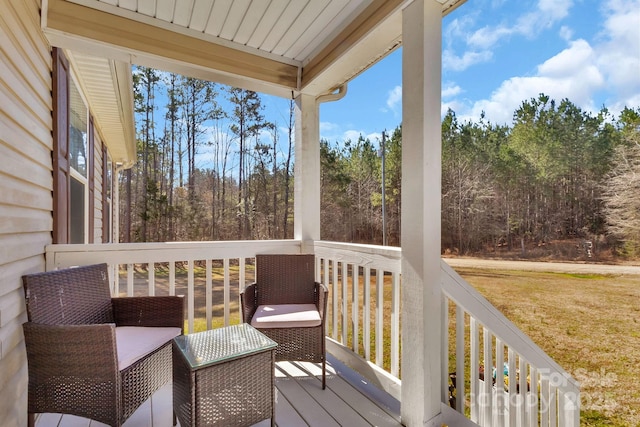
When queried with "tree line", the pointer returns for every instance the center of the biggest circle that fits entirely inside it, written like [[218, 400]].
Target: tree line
[[211, 167]]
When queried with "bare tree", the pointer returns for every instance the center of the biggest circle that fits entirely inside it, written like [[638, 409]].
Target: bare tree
[[620, 196], [247, 113]]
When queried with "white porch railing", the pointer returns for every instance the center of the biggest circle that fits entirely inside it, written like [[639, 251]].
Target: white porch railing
[[180, 268], [520, 386], [363, 315]]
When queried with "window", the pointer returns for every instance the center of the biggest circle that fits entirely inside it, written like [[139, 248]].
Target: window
[[73, 159], [79, 164]]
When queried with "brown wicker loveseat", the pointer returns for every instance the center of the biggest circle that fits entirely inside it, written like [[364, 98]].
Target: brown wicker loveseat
[[289, 306], [92, 355]]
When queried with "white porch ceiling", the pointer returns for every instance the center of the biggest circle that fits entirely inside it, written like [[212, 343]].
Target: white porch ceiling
[[275, 46], [289, 29]]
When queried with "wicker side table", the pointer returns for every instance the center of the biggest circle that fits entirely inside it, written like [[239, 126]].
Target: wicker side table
[[223, 377]]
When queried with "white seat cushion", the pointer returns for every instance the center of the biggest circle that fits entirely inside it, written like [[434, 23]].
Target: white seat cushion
[[135, 342], [286, 316]]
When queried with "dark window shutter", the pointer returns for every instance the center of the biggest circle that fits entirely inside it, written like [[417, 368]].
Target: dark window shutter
[[60, 153]]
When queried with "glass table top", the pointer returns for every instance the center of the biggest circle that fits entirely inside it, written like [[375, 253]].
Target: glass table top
[[219, 345]]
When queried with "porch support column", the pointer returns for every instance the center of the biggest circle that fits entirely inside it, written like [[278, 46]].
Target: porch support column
[[306, 216], [421, 186]]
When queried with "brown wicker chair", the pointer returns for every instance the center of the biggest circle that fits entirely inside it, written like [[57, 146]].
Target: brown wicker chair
[[284, 280], [71, 347]]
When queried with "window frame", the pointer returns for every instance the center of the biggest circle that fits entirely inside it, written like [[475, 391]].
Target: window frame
[[76, 174]]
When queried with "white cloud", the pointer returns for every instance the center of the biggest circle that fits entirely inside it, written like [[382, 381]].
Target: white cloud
[[328, 127], [583, 70], [394, 98], [451, 61], [618, 55], [571, 74], [333, 132], [566, 33], [450, 89], [487, 37], [455, 105], [547, 13], [330, 131], [481, 41], [569, 62]]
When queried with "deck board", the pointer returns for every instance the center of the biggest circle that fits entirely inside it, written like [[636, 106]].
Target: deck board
[[311, 412], [300, 401], [339, 410]]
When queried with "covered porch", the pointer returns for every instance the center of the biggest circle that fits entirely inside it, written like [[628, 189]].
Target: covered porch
[[365, 301], [382, 299]]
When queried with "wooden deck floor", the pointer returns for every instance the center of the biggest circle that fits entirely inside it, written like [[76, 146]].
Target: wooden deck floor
[[348, 400]]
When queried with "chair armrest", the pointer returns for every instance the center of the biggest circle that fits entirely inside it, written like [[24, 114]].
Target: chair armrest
[[322, 292], [248, 302], [166, 311], [81, 351]]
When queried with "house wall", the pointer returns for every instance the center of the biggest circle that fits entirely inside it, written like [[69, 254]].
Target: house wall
[[25, 186], [96, 229]]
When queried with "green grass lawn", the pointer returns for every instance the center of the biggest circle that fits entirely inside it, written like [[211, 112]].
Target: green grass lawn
[[589, 324]]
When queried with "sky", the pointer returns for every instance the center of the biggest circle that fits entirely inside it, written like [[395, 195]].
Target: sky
[[499, 53], [495, 55]]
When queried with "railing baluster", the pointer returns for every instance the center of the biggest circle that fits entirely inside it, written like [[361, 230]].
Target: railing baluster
[[553, 405], [334, 300], [226, 292], [487, 389], [325, 273], [114, 282], [190, 297], [444, 350], [242, 274], [513, 388], [366, 321], [379, 336], [209, 292], [151, 278], [130, 291], [524, 390], [395, 324], [318, 269], [172, 278], [568, 408], [499, 409], [545, 399], [345, 311], [460, 347], [532, 404], [355, 304], [474, 370], [242, 281]]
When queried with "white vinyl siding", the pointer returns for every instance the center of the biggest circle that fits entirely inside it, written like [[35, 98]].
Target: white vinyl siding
[[25, 186], [98, 189]]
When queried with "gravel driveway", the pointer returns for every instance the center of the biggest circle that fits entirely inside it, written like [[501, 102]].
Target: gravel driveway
[[554, 267]]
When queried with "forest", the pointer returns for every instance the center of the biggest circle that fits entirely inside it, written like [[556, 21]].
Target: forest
[[557, 173]]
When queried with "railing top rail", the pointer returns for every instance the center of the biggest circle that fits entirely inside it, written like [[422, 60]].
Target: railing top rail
[[463, 294], [240, 244], [384, 257], [59, 256], [390, 251]]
